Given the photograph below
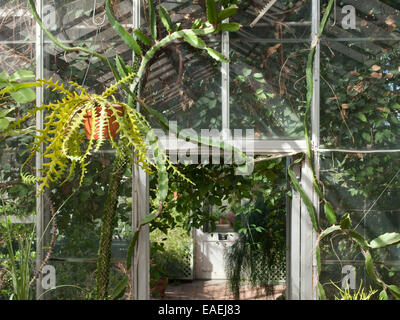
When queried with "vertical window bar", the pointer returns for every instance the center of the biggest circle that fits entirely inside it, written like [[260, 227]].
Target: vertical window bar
[[315, 119], [315, 115], [39, 160], [135, 22], [225, 84], [140, 208]]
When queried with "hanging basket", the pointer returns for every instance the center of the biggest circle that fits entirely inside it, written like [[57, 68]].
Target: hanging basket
[[111, 126]]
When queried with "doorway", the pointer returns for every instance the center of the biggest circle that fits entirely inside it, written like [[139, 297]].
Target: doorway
[[241, 251]]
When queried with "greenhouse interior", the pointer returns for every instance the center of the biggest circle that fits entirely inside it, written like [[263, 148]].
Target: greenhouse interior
[[199, 150]]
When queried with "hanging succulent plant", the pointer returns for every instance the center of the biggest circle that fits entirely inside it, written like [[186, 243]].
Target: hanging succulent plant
[[67, 145]]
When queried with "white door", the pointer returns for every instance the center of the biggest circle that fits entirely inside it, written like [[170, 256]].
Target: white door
[[209, 253]]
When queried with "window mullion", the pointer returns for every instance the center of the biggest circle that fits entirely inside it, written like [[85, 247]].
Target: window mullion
[[38, 159], [225, 84]]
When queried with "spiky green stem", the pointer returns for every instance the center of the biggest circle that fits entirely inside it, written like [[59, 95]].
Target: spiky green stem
[[107, 226]]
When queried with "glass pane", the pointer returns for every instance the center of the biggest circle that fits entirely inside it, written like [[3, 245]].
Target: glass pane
[[184, 83], [77, 280], [17, 52], [83, 68], [17, 36], [17, 24], [77, 24], [284, 20], [367, 186], [359, 103], [359, 76], [72, 20], [267, 85], [372, 19], [79, 220]]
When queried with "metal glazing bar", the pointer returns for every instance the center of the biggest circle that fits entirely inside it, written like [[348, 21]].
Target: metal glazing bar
[[315, 115], [315, 129], [38, 159], [225, 84], [140, 208]]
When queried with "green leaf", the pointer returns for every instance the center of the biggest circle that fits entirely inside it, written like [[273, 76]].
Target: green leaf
[[259, 77], [131, 247], [142, 37], [370, 267], [212, 14], [4, 123], [147, 219], [385, 240], [383, 295], [23, 95], [5, 112], [322, 294], [230, 27], [4, 76], [165, 18], [345, 222], [22, 75], [121, 67], [366, 136], [318, 258], [359, 239], [362, 117], [177, 26], [246, 72], [152, 18], [328, 231], [120, 289], [226, 13], [217, 55], [123, 33], [197, 24], [330, 213], [194, 40], [395, 291], [162, 191], [306, 200]]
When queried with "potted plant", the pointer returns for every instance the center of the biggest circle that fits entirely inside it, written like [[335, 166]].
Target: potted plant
[[158, 280], [111, 126]]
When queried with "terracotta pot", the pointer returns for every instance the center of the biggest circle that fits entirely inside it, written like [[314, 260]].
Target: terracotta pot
[[112, 126]]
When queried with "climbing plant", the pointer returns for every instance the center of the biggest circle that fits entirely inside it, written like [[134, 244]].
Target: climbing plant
[[344, 226]]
